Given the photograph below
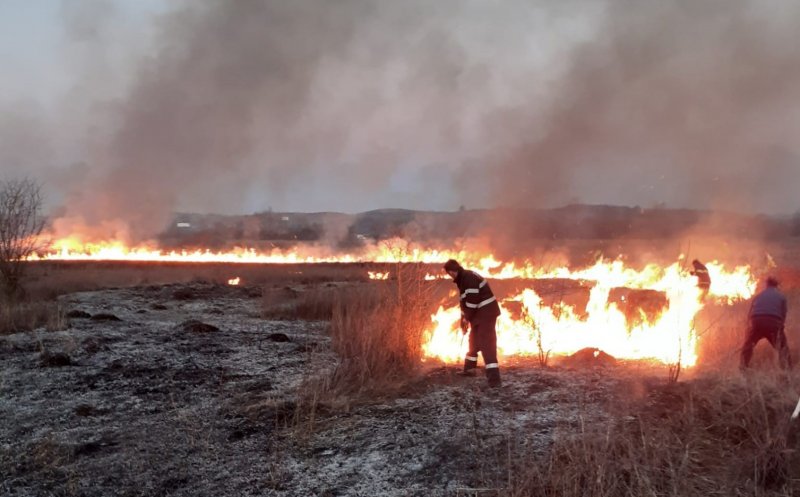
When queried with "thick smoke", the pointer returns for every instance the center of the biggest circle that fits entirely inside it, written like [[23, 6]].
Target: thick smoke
[[356, 104], [687, 103]]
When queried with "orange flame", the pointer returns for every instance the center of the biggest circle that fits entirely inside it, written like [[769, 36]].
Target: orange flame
[[561, 329], [234, 281], [388, 251]]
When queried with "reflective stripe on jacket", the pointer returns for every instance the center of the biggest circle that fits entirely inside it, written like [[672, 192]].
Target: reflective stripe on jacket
[[476, 297]]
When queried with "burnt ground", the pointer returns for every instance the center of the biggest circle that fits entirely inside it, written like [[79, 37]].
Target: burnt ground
[[184, 390]]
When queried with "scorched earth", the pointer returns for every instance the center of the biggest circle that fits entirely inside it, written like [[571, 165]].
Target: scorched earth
[[186, 390]]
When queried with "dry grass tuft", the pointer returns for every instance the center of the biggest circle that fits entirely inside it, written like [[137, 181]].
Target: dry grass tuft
[[377, 334], [28, 316], [314, 304], [714, 436]]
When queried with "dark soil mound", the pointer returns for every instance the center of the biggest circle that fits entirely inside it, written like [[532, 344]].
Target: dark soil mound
[[104, 316], [278, 337], [589, 357], [195, 326], [78, 314], [54, 359], [184, 294]]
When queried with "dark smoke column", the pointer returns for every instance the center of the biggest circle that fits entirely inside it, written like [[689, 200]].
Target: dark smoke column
[[190, 118]]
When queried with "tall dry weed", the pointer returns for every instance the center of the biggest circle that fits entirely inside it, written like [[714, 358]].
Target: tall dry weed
[[315, 304], [377, 332], [725, 436], [27, 316]]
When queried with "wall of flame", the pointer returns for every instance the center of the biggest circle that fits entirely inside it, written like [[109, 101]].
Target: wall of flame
[[557, 329]]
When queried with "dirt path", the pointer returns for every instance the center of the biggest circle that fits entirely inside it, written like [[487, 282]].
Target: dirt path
[[153, 405]]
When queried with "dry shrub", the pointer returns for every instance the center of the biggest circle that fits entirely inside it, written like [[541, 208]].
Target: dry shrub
[[713, 436], [27, 316], [314, 304], [377, 334]]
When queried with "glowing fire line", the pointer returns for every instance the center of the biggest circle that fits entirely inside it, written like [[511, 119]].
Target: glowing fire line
[[560, 329], [668, 337]]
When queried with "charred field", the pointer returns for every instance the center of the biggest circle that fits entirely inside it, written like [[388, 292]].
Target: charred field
[[162, 379]]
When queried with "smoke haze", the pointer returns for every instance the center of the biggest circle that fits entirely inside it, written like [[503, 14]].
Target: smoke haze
[[237, 106]]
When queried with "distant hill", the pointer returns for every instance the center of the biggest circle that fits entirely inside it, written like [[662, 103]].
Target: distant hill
[[578, 221]]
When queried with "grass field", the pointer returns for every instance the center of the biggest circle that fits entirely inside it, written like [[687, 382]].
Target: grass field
[[714, 432]]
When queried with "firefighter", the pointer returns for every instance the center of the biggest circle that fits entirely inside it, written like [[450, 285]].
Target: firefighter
[[479, 312], [703, 279], [767, 319]]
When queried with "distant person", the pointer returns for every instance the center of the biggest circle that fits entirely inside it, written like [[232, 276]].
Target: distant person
[[479, 312], [767, 320], [703, 279]]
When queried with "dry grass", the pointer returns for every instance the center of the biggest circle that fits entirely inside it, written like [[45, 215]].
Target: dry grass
[[27, 316], [312, 304], [714, 436], [376, 334], [46, 280]]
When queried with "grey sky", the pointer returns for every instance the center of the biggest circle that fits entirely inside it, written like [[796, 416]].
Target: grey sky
[[130, 110]]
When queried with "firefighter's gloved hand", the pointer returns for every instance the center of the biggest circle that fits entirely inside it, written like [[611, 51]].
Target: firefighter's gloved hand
[[464, 325]]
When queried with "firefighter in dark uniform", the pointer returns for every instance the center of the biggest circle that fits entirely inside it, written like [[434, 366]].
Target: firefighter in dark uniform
[[703, 279], [767, 320], [479, 312]]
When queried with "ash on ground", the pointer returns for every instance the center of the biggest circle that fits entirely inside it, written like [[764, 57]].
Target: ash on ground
[[184, 390]]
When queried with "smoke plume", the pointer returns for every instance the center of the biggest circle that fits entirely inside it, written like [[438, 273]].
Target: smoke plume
[[235, 106]]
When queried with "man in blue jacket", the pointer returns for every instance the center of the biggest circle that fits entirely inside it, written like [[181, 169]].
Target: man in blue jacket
[[767, 320], [479, 311]]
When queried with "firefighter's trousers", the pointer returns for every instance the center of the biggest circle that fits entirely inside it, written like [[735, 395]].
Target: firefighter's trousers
[[483, 339]]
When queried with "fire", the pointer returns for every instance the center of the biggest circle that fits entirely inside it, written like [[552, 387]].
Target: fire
[[668, 336], [604, 322], [388, 251], [234, 281]]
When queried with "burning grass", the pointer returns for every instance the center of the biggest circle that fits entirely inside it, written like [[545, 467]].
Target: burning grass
[[712, 436]]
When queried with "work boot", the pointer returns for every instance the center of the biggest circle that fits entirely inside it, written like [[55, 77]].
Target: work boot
[[493, 375], [470, 365]]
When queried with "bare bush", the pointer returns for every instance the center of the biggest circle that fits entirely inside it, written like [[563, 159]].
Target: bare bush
[[542, 355], [21, 224]]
